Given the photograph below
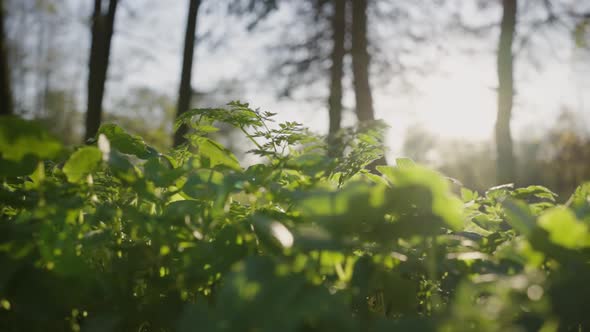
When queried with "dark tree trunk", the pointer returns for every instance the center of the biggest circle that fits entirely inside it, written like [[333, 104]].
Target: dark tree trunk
[[336, 71], [100, 49], [184, 91], [6, 105], [360, 68], [505, 171], [360, 62]]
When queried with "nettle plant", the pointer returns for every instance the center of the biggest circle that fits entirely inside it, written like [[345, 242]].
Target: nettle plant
[[116, 236]]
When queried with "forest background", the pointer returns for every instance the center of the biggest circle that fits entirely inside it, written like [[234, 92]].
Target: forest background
[[488, 92]]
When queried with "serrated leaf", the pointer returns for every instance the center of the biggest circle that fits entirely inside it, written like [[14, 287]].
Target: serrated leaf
[[534, 191], [186, 117]]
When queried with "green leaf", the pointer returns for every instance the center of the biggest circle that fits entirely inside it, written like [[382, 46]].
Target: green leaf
[[19, 138], [121, 167], [126, 143], [238, 115], [160, 171], [534, 191], [388, 172], [204, 184], [444, 203], [468, 195], [206, 129], [217, 154], [500, 191], [82, 163], [354, 199], [187, 117], [404, 162], [486, 222], [519, 216], [580, 200], [564, 228], [182, 208]]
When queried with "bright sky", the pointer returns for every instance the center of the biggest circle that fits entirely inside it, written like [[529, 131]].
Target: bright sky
[[457, 101]]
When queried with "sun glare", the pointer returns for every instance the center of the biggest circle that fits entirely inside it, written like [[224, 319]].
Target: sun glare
[[457, 106]]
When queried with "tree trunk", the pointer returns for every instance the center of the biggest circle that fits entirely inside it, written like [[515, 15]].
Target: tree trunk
[[336, 71], [100, 49], [360, 62], [360, 69], [505, 171], [6, 104], [184, 91]]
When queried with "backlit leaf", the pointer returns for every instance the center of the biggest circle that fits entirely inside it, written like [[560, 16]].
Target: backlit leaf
[[81, 163]]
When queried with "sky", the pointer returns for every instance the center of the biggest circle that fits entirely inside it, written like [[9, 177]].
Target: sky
[[457, 99]]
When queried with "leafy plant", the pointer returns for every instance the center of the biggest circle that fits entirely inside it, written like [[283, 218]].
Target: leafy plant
[[116, 236]]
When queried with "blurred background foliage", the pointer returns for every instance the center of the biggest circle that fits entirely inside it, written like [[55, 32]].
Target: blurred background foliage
[[558, 160]]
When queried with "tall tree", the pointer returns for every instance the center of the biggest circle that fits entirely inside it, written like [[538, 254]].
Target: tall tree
[[301, 58], [505, 170], [184, 90], [337, 67], [360, 62], [6, 106], [306, 59], [557, 15], [102, 32], [360, 68]]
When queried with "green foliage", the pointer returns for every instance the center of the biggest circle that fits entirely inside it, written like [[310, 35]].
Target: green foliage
[[82, 163], [126, 143], [19, 138], [120, 237]]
